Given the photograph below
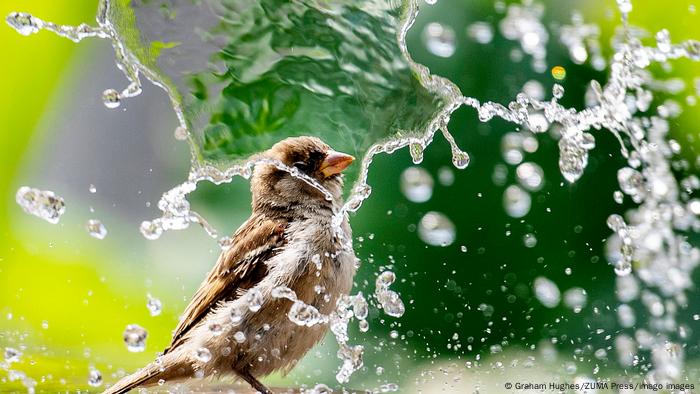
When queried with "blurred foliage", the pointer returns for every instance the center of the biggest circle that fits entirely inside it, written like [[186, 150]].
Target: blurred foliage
[[87, 293]]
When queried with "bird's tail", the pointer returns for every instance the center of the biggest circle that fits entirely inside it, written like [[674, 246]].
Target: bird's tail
[[165, 369]]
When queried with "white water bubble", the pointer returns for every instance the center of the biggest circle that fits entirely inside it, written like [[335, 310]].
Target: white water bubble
[[94, 378], [625, 6], [537, 122], [239, 336], [439, 39], [24, 23], [516, 201], [558, 91], [135, 338], [43, 204], [480, 32], [530, 176], [254, 299], [625, 315], [417, 184], [96, 229], [534, 89], [12, 355], [322, 388], [512, 148], [283, 292], [460, 159], [154, 305], [181, 133], [446, 176], [436, 229], [632, 183], [529, 240], [111, 98], [575, 299], [303, 314], [202, 354], [546, 292]]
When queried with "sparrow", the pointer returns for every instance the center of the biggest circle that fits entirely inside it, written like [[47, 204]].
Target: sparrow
[[233, 325]]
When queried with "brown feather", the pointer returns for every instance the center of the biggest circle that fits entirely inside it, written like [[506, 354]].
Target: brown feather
[[240, 267]]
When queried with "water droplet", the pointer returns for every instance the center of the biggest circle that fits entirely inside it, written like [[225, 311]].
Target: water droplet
[[151, 229], [111, 98], [575, 298], [202, 354], [546, 292], [239, 337], [625, 6], [632, 183], [512, 148], [663, 40], [417, 184], [237, 312], [284, 292], [351, 357], [95, 378], [360, 307], [416, 151], [24, 23], [254, 299], [529, 240], [303, 314], [92, 189], [537, 122], [12, 355], [96, 229], [618, 196], [43, 204], [135, 338], [516, 201], [573, 154], [389, 300], [154, 305], [460, 159], [181, 133], [322, 388], [534, 90], [439, 39], [480, 32], [394, 334], [436, 229], [530, 176], [557, 91], [445, 176]]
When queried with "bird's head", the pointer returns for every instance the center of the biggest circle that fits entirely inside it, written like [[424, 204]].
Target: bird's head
[[278, 189]]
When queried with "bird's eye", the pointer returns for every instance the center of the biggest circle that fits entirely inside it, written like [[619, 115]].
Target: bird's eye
[[301, 166]]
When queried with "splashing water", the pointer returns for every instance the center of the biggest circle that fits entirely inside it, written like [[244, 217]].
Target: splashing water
[[96, 229], [648, 254], [135, 338], [154, 305], [43, 204]]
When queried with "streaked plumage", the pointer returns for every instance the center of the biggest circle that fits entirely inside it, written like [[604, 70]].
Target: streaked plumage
[[289, 226]]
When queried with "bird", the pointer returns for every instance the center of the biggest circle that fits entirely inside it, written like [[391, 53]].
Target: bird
[[233, 326]]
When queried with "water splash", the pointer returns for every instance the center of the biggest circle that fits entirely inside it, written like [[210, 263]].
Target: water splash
[[43, 204], [653, 253], [96, 229], [135, 338]]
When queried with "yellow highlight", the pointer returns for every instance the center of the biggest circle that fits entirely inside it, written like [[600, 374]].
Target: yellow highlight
[[558, 72]]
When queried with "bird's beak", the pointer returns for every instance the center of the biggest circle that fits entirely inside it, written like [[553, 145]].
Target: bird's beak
[[335, 163]]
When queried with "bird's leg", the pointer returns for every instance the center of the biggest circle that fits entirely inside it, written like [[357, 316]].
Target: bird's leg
[[255, 383]]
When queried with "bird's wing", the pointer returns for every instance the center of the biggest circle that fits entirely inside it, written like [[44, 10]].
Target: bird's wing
[[241, 266]]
